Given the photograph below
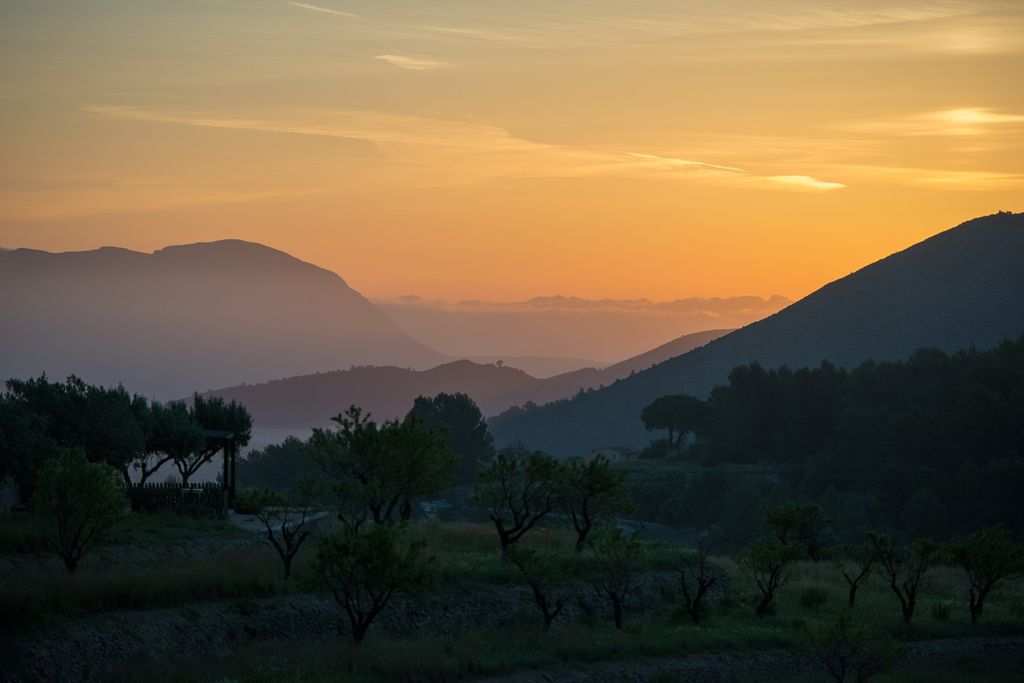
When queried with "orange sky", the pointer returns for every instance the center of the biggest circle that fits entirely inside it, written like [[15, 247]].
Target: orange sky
[[503, 150]]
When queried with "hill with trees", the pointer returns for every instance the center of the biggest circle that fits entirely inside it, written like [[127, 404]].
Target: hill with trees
[[388, 392], [187, 317], [963, 287]]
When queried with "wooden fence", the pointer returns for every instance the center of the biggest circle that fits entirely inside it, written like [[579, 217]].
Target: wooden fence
[[198, 500]]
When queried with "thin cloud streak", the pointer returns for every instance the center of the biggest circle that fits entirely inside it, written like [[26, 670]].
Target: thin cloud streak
[[412, 63], [956, 121], [805, 181], [474, 151], [323, 10], [799, 181]]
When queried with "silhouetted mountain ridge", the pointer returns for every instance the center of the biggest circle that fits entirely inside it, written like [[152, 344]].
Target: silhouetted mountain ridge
[[187, 317], [388, 392], [962, 287]]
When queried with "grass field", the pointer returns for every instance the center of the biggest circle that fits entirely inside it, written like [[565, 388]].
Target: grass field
[[467, 556]]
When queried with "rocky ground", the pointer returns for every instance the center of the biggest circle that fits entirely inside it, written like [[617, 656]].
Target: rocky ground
[[87, 649], [750, 667]]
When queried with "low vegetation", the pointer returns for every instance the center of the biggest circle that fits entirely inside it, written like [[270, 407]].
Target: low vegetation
[[577, 582]]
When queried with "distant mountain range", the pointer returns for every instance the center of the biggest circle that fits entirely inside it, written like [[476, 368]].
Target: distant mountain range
[[962, 287], [187, 317], [606, 330], [388, 392]]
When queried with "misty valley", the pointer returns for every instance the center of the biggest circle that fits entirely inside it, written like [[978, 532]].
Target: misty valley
[[824, 490]]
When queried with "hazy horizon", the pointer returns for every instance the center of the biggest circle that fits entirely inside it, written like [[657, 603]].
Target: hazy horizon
[[497, 152], [539, 300]]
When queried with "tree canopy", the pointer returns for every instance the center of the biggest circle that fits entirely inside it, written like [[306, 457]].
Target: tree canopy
[[679, 414], [377, 470], [77, 503], [464, 426]]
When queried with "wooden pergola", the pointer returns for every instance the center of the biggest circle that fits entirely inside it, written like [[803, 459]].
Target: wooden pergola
[[227, 440]]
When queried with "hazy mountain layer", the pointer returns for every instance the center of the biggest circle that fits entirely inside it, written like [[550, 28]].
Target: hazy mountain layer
[[606, 330], [187, 317], [961, 287], [388, 392]]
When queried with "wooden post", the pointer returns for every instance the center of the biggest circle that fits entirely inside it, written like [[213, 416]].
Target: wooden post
[[233, 449], [224, 477]]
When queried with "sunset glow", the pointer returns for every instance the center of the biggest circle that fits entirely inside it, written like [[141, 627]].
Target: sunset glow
[[500, 151]]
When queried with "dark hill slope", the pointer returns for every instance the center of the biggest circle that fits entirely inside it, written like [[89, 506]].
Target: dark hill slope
[[388, 392], [961, 287], [187, 317]]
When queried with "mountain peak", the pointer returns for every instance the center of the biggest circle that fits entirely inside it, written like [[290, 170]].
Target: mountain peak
[[188, 317], [961, 287]]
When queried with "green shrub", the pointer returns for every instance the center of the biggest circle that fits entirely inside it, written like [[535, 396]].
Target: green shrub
[[813, 597], [941, 611], [76, 504], [249, 501]]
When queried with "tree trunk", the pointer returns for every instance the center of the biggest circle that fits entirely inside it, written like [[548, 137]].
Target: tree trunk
[[287, 567], [617, 610], [506, 542], [406, 511], [852, 594], [581, 538], [762, 607], [977, 605], [908, 612], [548, 620]]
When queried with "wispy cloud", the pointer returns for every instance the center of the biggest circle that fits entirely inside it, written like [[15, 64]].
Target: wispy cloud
[[796, 181], [103, 196], [684, 162], [961, 180], [458, 152], [956, 121], [324, 10], [806, 181], [412, 63], [852, 24]]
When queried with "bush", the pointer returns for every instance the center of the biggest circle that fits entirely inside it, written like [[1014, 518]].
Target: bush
[[76, 504], [813, 597], [941, 611], [658, 449], [249, 501], [857, 653]]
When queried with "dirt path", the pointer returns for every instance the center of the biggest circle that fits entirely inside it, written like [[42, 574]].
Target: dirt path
[[749, 667]]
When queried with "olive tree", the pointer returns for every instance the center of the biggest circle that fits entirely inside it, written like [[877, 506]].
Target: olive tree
[[904, 568], [989, 557], [767, 561], [547, 577], [617, 556], [798, 523], [365, 569], [518, 490], [855, 563], [697, 576], [856, 653], [375, 471], [285, 519], [214, 414], [173, 437], [77, 503], [593, 492]]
